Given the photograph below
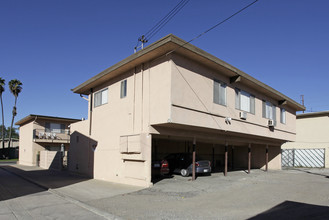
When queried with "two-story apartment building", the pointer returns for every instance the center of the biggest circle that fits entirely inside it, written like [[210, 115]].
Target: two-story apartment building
[[174, 97], [39, 133]]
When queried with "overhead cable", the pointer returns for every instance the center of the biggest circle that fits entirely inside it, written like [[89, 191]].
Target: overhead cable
[[216, 25], [159, 25]]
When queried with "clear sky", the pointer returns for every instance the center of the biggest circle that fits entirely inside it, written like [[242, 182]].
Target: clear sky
[[53, 46]]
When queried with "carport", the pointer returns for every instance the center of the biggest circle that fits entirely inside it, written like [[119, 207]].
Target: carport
[[226, 150]]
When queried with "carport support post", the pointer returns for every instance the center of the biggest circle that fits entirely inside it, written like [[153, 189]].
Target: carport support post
[[225, 169], [266, 158], [193, 160], [249, 158]]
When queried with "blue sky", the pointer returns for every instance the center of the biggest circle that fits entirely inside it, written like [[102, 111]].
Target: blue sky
[[53, 46]]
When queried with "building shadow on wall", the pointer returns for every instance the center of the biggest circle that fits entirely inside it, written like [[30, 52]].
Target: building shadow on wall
[[294, 210], [81, 154]]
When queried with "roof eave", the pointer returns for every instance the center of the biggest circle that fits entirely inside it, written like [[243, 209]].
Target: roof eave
[[85, 87], [33, 117], [181, 46]]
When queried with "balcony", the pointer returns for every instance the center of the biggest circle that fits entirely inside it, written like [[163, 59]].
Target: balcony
[[54, 136]]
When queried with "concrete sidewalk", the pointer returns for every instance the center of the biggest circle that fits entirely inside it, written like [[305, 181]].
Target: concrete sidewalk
[[75, 188], [72, 185]]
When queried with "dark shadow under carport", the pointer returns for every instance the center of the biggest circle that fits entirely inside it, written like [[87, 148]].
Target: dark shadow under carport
[[225, 156]]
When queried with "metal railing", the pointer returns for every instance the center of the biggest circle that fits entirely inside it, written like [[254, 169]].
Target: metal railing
[[58, 134]]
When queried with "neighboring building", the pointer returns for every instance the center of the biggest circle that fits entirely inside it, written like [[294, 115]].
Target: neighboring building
[[39, 133], [312, 133], [13, 144], [13, 152], [165, 97]]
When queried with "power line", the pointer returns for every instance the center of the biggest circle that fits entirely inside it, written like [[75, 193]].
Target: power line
[[164, 22], [158, 26], [176, 8], [216, 25]]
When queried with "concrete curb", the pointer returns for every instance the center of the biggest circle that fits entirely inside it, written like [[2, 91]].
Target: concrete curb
[[97, 211]]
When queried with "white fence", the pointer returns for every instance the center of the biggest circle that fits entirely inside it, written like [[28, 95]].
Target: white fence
[[303, 157]]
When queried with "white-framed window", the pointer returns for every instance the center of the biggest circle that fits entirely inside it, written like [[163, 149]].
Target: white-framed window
[[100, 98], [123, 90], [55, 128], [244, 101], [219, 92], [282, 115], [269, 110]]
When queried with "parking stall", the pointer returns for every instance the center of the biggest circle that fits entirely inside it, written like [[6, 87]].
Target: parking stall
[[224, 153]]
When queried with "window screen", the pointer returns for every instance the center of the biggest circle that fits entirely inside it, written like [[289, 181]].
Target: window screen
[[101, 97], [219, 92]]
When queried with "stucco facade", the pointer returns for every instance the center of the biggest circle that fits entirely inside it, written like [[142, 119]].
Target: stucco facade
[[42, 133], [168, 103], [312, 133]]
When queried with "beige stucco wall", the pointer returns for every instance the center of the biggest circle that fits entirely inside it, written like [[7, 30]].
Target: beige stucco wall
[[26, 145], [313, 129], [81, 153], [192, 97], [129, 118], [312, 133], [50, 160]]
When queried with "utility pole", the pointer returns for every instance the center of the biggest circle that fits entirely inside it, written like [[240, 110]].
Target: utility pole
[[302, 100], [143, 40]]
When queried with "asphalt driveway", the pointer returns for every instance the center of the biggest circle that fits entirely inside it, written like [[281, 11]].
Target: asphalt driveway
[[286, 194]]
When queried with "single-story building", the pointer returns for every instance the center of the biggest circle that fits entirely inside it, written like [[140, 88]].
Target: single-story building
[[12, 153], [311, 148]]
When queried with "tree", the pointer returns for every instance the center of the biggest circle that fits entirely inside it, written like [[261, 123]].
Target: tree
[[2, 89], [15, 87], [14, 132]]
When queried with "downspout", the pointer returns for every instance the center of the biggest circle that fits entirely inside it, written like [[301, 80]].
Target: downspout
[[91, 110], [142, 101], [34, 122], [134, 102]]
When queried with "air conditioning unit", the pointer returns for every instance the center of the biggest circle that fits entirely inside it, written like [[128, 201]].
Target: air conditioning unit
[[270, 123], [243, 115]]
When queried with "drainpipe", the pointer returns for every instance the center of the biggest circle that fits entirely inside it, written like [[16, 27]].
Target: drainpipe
[[193, 160], [91, 110], [226, 159]]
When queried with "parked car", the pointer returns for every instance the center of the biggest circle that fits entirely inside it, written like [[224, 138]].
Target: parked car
[[181, 163], [160, 167]]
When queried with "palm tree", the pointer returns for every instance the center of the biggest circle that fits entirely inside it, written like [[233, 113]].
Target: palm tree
[[15, 87], [2, 89]]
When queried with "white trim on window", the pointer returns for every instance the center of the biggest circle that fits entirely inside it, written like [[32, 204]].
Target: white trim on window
[[282, 115], [101, 97], [123, 89], [244, 101], [269, 110], [219, 94]]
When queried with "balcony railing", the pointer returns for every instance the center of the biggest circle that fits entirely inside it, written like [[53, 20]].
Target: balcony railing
[[57, 135]]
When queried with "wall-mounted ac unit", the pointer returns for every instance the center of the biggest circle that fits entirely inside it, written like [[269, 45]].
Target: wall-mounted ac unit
[[243, 115], [270, 123]]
